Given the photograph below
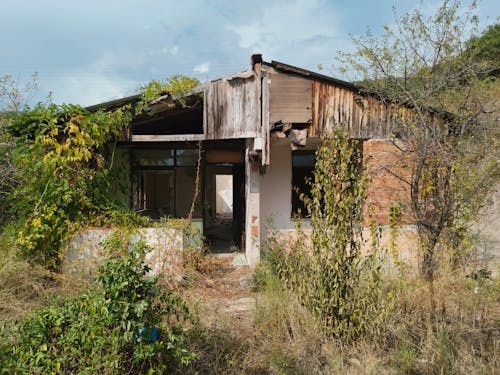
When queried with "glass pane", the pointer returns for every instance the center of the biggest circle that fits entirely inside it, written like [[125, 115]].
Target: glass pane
[[157, 193], [154, 158], [185, 180], [303, 159], [187, 157]]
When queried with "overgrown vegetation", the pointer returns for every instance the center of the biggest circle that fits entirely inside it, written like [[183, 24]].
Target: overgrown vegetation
[[62, 147], [447, 78], [59, 166], [177, 87], [58, 179], [283, 336], [320, 307], [13, 98], [126, 324], [328, 273]]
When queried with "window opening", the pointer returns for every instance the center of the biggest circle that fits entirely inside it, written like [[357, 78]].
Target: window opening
[[302, 170], [164, 182]]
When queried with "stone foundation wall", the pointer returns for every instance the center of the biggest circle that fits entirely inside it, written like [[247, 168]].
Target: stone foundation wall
[[85, 251]]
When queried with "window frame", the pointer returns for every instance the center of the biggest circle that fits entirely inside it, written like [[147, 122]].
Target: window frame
[[294, 214], [137, 188]]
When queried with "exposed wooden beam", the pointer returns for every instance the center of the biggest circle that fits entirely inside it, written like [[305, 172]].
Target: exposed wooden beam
[[168, 138]]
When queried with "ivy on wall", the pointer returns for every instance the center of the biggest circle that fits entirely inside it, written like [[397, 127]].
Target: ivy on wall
[[66, 168], [65, 177]]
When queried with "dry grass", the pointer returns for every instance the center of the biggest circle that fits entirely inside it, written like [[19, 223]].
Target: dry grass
[[454, 332], [451, 327], [24, 287]]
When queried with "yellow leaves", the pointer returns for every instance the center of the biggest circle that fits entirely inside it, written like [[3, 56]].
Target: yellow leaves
[[48, 141], [73, 129]]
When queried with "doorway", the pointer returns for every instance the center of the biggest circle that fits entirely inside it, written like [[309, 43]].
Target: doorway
[[225, 201], [224, 196]]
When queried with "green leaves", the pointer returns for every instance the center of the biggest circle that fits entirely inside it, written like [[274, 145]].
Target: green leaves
[[326, 270], [178, 86], [104, 330], [59, 151]]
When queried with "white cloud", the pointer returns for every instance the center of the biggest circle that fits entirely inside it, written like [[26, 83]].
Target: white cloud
[[202, 68], [301, 32], [128, 43], [174, 50], [87, 89]]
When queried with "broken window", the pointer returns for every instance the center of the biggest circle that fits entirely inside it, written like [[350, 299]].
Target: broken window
[[164, 181], [302, 171]]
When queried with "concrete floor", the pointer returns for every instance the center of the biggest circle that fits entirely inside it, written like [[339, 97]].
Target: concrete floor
[[219, 235]]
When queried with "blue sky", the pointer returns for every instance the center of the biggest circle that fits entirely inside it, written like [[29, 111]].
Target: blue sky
[[91, 51]]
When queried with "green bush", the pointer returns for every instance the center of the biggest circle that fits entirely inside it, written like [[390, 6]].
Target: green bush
[[326, 270], [106, 330]]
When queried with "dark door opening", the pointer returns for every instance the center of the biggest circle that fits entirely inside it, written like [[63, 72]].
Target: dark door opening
[[224, 197]]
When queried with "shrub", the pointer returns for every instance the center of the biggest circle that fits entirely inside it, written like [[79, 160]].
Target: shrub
[[110, 329], [327, 272]]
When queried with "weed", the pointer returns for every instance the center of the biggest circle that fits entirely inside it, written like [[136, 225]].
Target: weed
[[107, 329]]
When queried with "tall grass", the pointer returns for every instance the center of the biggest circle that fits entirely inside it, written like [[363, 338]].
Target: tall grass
[[25, 286]]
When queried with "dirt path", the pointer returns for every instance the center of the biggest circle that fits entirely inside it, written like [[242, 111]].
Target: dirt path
[[226, 293]]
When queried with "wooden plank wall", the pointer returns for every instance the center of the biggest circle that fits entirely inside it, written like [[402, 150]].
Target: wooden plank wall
[[266, 121], [290, 98], [365, 116], [232, 107]]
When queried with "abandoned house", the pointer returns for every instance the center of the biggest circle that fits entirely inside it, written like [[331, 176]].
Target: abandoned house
[[259, 130]]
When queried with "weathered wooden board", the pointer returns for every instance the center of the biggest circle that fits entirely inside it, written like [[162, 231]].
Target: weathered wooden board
[[232, 107], [168, 138], [290, 98], [266, 125], [225, 156], [364, 115]]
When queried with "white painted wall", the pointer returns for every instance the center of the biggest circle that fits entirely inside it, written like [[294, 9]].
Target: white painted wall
[[224, 191], [253, 219], [276, 189]]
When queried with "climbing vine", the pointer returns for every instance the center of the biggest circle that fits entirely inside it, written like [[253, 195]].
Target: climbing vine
[[60, 152]]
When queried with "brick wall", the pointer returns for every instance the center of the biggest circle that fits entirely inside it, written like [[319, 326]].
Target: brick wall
[[386, 165]]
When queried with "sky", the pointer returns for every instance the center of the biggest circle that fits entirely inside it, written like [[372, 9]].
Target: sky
[[87, 52]]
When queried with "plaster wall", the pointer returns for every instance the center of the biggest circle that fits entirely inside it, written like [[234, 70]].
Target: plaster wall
[[276, 201], [276, 191], [488, 255], [253, 219]]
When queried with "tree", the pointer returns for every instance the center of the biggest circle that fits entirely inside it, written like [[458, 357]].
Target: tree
[[13, 98], [487, 45], [327, 271], [429, 65]]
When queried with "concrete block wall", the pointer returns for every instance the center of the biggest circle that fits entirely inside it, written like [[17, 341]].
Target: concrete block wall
[[85, 252]]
